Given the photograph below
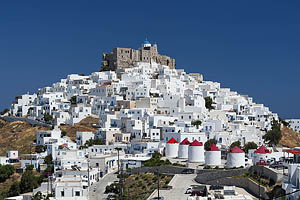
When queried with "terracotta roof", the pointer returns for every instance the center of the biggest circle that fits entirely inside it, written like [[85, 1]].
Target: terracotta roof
[[172, 141], [185, 142], [103, 85], [262, 150], [236, 149], [213, 147], [293, 151], [196, 143]]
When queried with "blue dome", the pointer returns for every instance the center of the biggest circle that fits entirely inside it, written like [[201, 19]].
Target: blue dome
[[146, 42]]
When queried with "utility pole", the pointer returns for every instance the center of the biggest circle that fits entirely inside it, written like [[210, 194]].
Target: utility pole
[[158, 183], [51, 185], [121, 183], [88, 173], [259, 185], [120, 176], [118, 149], [30, 153]]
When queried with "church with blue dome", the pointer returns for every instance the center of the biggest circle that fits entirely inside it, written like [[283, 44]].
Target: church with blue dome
[[121, 58]]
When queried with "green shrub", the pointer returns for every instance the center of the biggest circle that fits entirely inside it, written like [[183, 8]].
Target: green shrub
[[6, 171], [63, 133]]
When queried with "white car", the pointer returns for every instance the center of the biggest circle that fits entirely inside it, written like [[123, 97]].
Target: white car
[[189, 190]]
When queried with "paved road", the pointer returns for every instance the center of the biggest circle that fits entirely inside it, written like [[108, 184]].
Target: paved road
[[179, 183], [100, 187], [30, 121]]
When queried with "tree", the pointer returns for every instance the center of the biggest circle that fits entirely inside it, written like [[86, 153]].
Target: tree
[[208, 143], [63, 133], [92, 142], [285, 123], [273, 136], [39, 196], [40, 148], [236, 143], [28, 181], [73, 100], [250, 145], [14, 189], [196, 123], [5, 172], [4, 111], [50, 168], [48, 118], [208, 103], [48, 159]]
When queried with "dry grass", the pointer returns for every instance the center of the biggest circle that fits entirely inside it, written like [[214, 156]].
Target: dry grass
[[20, 135], [140, 186], [289, 138], [6, 185], [83, 125], [17, 136]]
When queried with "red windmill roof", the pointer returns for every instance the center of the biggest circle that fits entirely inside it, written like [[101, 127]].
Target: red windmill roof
[[103, 85], [236, 149], [172, 141], [262, 149], [196, 143], [293, 151], [213, 147], [185, 142]]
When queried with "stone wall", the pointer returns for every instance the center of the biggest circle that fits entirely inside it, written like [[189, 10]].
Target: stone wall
[[267, 172], [225, 177], [122, 58], [217, 177], [212, 175], [249, 185], [162, 169]]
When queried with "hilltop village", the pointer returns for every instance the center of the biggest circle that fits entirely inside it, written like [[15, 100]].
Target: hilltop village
[[152, 118]]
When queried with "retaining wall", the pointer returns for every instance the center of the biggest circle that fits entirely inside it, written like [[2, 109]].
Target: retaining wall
[[267, 172], [162, 169], [249, 185]]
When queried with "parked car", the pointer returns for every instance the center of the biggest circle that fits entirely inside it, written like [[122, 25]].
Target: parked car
[[187, 171], [216, 187], [277, 165], [190, 189], [199, 190], [111, 197], [261, 162]]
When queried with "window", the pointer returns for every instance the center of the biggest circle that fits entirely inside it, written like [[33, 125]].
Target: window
[[77, 193], [62, 193]]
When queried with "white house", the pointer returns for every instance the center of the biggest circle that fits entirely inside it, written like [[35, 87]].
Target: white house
[[83, 136]]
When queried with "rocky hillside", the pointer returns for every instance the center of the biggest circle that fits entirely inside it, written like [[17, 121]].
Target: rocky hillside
[[84, 125], [20, 135], [289, 138], [17, 136]]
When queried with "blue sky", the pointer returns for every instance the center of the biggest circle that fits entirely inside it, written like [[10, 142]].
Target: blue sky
[[250, 46]]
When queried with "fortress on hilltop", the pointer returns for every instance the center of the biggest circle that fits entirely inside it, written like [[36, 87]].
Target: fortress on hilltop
[[122, 58]]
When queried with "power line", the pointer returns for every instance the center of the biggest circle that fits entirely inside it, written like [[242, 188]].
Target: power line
[[287, 194]]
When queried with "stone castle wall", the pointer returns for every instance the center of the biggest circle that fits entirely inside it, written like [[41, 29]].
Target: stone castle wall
[[122, 58]]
